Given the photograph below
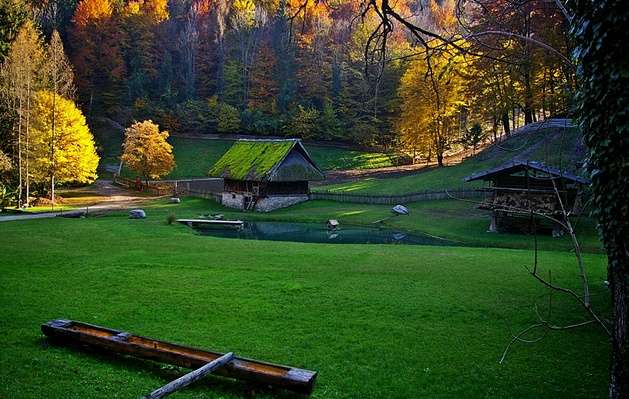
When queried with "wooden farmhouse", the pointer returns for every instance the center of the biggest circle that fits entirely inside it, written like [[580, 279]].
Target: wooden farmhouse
[[264, 175], [519, 186]]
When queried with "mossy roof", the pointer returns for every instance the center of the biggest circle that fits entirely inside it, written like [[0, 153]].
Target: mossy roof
[[255, 160]]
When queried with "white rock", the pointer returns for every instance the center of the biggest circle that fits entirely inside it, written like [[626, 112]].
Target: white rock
[[400, 210], [137, 214]]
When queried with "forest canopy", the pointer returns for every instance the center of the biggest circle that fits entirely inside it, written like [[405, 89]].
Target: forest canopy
[[296, 67]]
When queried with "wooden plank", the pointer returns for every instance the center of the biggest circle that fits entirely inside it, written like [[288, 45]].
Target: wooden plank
[[191, 377], [119, 342], [209, 221]]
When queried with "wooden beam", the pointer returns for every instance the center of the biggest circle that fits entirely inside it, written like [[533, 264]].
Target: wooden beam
[[116, 341], [191, 377], [211, 221]]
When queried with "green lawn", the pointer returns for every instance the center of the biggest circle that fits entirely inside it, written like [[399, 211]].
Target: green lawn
[[429, 179], [376, 321], [195, 157], [551, 146]]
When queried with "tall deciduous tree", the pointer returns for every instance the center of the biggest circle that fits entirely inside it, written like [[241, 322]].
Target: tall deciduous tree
[[61, 83], [146, 151], [63, 148], [22, 75], [12, 15], [59, 68], [96, 54], [432, 94]]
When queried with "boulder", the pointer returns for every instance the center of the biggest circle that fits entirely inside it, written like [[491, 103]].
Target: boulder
[[137, 214], [400, 210], [175, 200]]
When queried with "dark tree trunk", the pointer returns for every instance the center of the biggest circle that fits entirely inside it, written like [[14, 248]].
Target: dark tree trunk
[[528, 100], [440, 159], [619, 284], [528, 90], [494, 128], [601, 37], [505, 123]]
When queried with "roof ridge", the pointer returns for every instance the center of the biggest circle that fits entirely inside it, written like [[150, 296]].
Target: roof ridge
[[258, 159], [280, 140], [537, 165]]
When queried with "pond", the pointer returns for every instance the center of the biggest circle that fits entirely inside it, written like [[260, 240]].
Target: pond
[[319, 233]]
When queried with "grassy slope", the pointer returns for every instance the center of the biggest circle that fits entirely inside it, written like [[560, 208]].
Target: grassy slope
[[375, 321], [546, 145], [195, 157]]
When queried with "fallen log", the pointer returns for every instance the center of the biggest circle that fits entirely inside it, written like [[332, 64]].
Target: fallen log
[[114, 341], [191, 377]]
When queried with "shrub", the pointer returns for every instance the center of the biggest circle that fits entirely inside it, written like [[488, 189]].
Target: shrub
[[171, 218]]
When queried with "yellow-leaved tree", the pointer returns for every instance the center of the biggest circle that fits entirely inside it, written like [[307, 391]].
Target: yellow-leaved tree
[[66, 154], [5, 163], [146, 151], [432, 100]]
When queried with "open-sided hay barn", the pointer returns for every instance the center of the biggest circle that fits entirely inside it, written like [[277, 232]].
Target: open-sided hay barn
[[263, 175], [519, 187]]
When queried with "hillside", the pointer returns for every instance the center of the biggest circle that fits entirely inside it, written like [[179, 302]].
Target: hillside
[[553, 142], [195, 156]]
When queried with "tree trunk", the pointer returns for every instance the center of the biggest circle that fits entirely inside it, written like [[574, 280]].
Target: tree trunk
[[19, 154], [528, 90], [619, 284], [505, 124], [28, 155], [604, 121], [52, 144], [221, 11], [440, 158]]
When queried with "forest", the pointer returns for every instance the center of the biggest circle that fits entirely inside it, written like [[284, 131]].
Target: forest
[[532, 90], [305, 68]]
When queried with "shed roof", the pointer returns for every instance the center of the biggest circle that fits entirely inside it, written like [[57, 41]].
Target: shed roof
[[267, 160], [522, 165]]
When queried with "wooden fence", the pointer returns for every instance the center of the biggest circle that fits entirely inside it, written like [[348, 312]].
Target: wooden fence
[[206, 188], [465, 193], [161, 188], [202, 194]]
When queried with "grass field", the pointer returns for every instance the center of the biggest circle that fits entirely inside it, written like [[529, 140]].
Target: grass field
[[195, 157], [454, 220], [557, 147], [376, 321]]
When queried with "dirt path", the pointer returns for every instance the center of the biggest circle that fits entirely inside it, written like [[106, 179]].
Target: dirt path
[[101, 196]]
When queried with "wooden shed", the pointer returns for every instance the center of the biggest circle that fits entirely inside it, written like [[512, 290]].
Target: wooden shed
[[264, 175], [519, 186]]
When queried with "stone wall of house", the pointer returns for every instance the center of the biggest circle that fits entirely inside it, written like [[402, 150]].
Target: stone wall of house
[[233, 200], [271, 203]]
